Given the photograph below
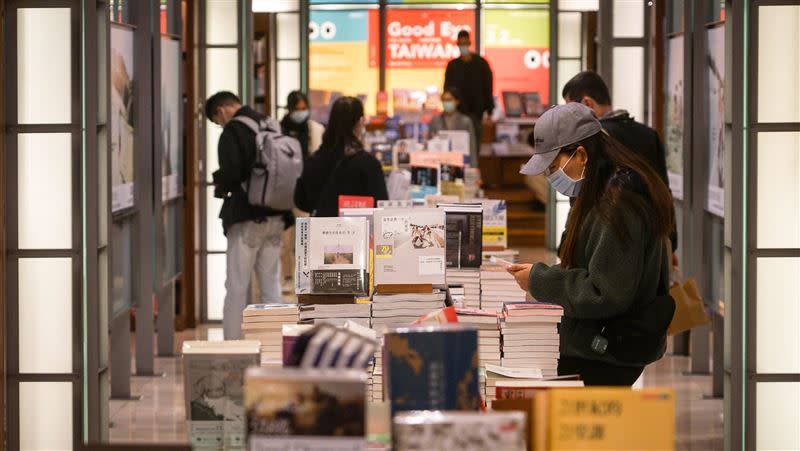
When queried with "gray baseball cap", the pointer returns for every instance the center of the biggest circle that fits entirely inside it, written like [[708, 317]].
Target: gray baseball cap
[[557, 128]]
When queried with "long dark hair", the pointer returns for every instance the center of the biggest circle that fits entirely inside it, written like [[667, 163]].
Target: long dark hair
[[294, 98], [606, 157], [339, 133]]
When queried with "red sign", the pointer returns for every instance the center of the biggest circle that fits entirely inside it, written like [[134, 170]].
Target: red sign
[[520, 70], [355, 202], [421, 38]]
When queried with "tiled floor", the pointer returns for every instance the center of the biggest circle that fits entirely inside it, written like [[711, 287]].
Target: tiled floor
[[159, 416]]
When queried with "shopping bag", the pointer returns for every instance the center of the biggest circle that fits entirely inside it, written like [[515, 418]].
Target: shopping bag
[[690, 312]]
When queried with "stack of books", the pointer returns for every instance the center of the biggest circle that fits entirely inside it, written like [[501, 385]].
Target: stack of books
[[457, 294], [498, 286], [393, 310], [486, 321], [470, 279], [336, 314], [516, 383], [377, 374], [530, 336], [264, 323], [463, 431]]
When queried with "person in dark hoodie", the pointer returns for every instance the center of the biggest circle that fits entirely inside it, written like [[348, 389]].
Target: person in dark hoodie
[[298, 124], [340, 166], [614, 259], [253, 232], [589, 89]]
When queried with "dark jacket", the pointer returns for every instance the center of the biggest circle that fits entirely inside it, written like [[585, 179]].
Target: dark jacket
[[474, 79], [327, 174], [608, 277], [640, 139], [236, 153]]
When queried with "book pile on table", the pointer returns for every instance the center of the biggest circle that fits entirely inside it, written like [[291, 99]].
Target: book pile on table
[[530, 336], [264, 323], [498, 286], [486, 321], [514, 383], [470, 280], [463, 431], [392, 310], [377, 373], [457, 294], [336, 314]]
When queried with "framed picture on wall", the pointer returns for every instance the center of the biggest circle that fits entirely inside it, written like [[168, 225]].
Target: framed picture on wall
[[122, 125]]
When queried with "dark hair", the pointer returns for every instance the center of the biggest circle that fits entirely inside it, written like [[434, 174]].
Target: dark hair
[[294, 98], [606, 158], [587, 83], [454, 91], [463, 34], [220, 99], [339, 134]]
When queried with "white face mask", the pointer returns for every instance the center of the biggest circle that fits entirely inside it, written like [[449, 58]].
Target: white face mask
[[565, 184], [464, 49], [298, 116]]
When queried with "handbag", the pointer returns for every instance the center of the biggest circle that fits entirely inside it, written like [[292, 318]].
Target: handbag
[[690, 311]]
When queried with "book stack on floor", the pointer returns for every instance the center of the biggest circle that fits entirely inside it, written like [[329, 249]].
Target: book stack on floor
[[498, 286], [336, 314], [488, 326], [530, 336], [264, 323]]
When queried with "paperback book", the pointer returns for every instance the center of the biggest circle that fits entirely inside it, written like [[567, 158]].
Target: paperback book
[[332, 256], [464, 235], [409, 247], [463, 431]]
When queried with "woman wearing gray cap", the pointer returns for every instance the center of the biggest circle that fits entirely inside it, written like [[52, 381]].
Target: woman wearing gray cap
[[613, 277]]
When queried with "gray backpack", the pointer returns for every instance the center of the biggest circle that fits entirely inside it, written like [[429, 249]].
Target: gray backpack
[[277, 166]]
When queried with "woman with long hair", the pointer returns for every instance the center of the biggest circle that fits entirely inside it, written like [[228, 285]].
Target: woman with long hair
[[614, 259], [340, 166]]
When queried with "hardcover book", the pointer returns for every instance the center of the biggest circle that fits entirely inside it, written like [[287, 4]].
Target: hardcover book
[[409, 247], [213, 383], [294, 409], [332, 256], [464, 235], [432, 368]]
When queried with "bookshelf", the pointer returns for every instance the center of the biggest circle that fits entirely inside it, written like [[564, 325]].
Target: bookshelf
[[261, 63]]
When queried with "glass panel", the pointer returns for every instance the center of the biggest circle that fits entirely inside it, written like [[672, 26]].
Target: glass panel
[[121, 268], [777, 415], [288, 35], [578, 5], [566, 70], [44, 62], [673, 95], [45, 190], [102, 68], [45, 315], [628, 18], [569, 35], [222, 24], [628, 76], [222, 74], [343, 59], [715, 99], [778, 197], [288, 78], [172, 241], [215, 285], [517, 45], [123, 104], [171, 100], [215, 239], [103, 297], [273, 6], [45, 416], [777, 294], [779, 63]]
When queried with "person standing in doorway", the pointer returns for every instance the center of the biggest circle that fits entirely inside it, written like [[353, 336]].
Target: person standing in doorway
[[253, 232], [472, 76]]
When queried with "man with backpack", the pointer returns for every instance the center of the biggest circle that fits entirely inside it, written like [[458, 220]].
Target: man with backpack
[[251, 149]]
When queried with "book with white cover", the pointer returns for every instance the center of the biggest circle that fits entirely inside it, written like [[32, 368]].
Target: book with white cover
[[463, 431], [410, 247], [332, 256]]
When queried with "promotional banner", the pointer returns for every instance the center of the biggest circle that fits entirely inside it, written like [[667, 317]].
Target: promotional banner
[[422, 38], [170, 119], [674, 117], [517, 46], [341, 61], [715, 60], [121, 118]]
